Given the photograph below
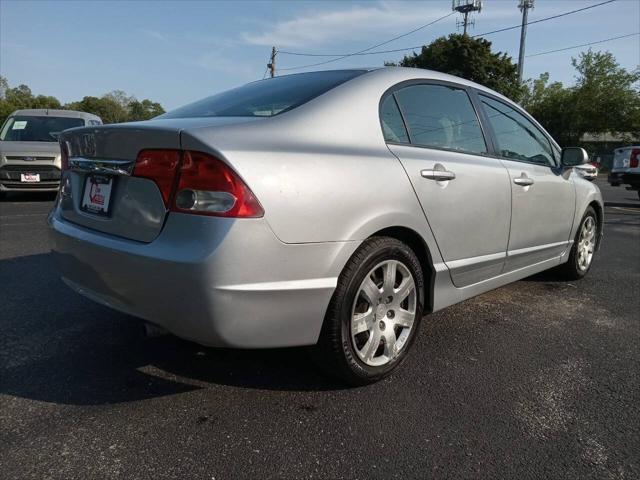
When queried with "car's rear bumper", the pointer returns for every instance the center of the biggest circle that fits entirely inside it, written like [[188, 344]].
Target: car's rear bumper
[[234, 284]]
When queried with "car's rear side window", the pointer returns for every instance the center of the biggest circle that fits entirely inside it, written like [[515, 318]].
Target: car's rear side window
[[392, 124], [440, 116], [517, 137], [266, 98]]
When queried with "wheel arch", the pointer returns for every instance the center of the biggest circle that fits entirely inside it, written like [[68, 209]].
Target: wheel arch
[[600, 217], [415, 241]]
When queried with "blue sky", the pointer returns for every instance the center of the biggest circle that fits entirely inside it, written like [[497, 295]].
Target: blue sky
[[175, 52]]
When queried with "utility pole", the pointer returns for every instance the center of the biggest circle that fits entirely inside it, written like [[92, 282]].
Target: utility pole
[[524, 7], [272, 62], [466, 7]]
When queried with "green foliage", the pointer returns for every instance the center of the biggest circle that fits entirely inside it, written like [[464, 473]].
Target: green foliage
[[469, 58], [605, 98], [113, 107]]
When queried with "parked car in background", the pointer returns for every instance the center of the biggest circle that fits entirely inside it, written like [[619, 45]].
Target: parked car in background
[[327, 208], [588, 171], [626, 168], [29, 149]]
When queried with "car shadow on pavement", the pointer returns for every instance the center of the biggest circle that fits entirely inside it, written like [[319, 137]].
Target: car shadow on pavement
[[27, 196], [56, 346]]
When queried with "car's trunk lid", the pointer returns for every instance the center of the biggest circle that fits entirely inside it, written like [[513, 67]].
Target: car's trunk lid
[[134, 208]]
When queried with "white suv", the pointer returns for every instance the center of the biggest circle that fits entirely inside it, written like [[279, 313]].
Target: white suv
[[626, 168], [29, 150]]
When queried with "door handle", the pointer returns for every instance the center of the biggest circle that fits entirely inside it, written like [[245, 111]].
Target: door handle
[[523, 181], [438, 175]]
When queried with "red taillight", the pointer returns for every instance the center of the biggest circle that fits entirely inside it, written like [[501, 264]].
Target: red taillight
[[198, 183], [159, 166], [208, 186], [634, 159]]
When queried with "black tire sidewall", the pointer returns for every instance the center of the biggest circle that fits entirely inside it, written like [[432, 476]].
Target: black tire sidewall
[[393, 250]]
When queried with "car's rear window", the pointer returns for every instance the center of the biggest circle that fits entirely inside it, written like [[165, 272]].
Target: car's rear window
[[266, 98]]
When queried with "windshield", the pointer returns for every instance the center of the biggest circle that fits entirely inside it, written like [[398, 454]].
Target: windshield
[[37, 129], [266, 98]]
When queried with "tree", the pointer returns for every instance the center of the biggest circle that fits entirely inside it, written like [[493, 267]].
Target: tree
[[116, 107], [605, 98], [469, 58], [106, 108], [552, 105], [113, 107], [144, 110]]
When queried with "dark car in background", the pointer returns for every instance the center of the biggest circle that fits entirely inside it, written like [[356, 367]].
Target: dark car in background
[[626, 168], [29, 149]]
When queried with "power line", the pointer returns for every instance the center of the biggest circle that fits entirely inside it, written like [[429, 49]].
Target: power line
[[340, 57], [545, 19], [584, 44], [368, 52]]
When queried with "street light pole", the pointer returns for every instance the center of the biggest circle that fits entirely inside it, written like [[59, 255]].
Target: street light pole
[[524, 7]]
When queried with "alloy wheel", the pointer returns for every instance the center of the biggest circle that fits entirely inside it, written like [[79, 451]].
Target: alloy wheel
[[383, 313], [586, 243]]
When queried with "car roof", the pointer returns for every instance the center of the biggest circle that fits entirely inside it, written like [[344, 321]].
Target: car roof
[[44, 112]]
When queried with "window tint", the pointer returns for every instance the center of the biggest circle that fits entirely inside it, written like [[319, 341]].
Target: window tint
[[441, 117], [266, 98], [518, 138], [391, 120]]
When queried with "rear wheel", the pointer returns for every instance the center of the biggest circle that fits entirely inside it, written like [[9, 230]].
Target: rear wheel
[[374, 313], [583, 247]]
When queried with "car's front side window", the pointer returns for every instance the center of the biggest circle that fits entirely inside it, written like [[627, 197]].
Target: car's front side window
[[517, 137], [440, 116]]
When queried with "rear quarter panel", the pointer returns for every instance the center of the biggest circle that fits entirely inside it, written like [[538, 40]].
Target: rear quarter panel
[[323, 171]]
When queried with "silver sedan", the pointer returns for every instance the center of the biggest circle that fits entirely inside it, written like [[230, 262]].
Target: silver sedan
[[331, 209]]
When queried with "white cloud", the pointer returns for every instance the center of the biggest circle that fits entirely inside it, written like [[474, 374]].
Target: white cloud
[[334, 26]]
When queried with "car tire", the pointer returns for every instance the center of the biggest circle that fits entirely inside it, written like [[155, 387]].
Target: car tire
[[577, 266], [362, 342]]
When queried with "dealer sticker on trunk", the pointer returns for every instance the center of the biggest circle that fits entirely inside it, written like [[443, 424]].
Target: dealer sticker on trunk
[[97, 194]]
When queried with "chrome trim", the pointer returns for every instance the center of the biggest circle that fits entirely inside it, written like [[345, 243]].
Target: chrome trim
[[523, 181], [439, 175], [474, 262], [111, 167], [537, 248]]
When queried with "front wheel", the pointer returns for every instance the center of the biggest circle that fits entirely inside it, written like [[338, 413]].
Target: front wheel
[[583, 248], [374, 313]]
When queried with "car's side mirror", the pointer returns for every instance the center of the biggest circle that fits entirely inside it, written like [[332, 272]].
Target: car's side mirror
[[574, 156]]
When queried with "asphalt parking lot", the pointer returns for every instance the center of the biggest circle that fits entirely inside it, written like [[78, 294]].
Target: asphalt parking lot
[[539, 379]]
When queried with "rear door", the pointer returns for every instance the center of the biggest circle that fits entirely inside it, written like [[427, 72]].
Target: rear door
[[464, 193], [542, 194]]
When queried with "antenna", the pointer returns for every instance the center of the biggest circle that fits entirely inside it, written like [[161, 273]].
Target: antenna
[[466, 7]]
